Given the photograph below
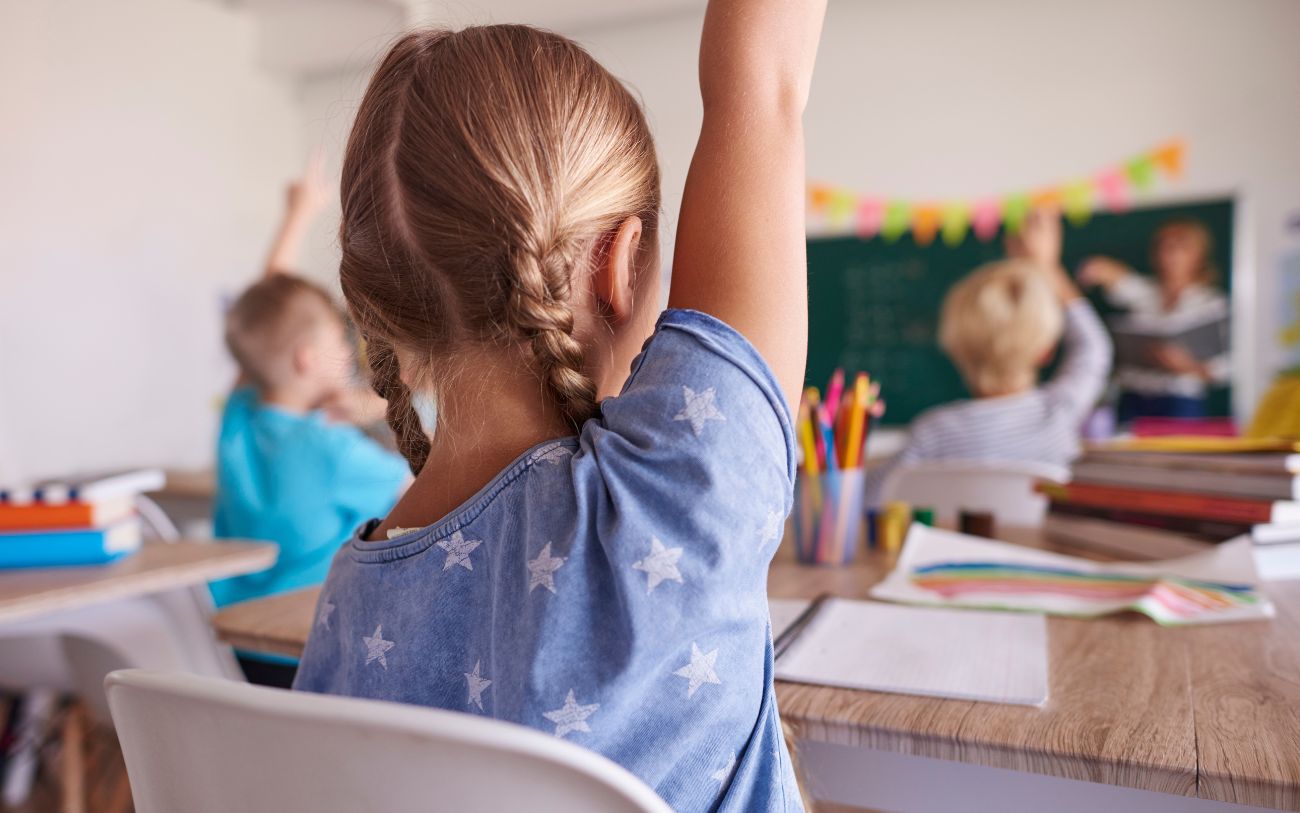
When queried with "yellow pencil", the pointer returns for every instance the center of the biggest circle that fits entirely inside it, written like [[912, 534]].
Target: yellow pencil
[[806, 438]]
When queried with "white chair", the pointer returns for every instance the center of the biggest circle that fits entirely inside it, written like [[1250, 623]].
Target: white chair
[[1005, 488], [205, 745]]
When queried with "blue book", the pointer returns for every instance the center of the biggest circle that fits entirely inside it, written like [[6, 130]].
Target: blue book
[[69, 547]]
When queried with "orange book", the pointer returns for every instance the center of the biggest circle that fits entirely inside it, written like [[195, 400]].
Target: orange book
[[31, 516]]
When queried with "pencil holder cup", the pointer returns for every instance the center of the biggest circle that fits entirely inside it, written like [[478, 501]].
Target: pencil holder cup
[[828, 516]]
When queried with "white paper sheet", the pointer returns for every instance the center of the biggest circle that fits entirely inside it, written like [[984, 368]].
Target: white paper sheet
[[1230, 562], [966, 654]]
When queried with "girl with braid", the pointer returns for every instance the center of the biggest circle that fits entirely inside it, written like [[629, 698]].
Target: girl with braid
[[599, 488]]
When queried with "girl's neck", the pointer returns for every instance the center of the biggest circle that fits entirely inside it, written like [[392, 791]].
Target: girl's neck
[[483, 425]]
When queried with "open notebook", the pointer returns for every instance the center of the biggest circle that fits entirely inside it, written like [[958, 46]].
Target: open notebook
[[965, 654]]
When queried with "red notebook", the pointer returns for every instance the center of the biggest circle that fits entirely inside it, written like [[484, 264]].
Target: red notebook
[[1200, 506]]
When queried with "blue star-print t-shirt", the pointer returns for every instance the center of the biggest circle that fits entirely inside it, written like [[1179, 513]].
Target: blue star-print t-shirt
[[609, 589]]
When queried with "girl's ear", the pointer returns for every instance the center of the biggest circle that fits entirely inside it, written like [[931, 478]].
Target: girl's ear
[[612, 282]]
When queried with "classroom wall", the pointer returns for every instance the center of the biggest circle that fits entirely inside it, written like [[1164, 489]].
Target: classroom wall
[[144, 179], [930, 99], [143, 162]]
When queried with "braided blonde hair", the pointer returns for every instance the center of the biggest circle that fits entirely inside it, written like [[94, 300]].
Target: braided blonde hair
[[483, 170]]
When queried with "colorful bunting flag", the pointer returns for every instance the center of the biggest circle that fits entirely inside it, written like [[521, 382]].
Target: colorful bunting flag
[[1014, 210], [820, 197], [841, 208], [871, 211], [892, 218], [956, 220], [986, 219], [897, 219], [1046, 198], [1141, 172], [1077, 199], [925, 223], [1114, 193], [1169, 157]]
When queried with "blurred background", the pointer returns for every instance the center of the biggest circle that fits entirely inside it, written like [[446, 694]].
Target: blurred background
[[147, 145]]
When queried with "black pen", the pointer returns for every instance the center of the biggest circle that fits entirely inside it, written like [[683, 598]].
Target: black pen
[[792, 632]]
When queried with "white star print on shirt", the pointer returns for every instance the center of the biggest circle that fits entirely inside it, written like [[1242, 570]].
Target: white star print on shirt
[[660, 565], [699, 671], [323, 616], [571, 716], [772, 526], [723, 774], [476, 684], [699, 409], [541, 571], [554, 454], [458, 550], [376, 646]]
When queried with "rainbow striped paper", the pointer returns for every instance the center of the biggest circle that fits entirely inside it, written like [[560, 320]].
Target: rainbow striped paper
[[1165, 599], [943, 568]]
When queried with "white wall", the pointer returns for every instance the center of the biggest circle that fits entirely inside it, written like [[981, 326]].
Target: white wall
[[142, 161], [145, 151], [931, 99]]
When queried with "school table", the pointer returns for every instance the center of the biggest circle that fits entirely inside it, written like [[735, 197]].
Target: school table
[[1145, 716], [156, 568], [45, 601]]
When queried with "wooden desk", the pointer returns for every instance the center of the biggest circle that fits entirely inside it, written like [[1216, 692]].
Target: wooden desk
[[1208, 711], [155, 568]]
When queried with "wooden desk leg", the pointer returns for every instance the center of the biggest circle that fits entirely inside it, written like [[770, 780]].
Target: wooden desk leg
[[74, 759]]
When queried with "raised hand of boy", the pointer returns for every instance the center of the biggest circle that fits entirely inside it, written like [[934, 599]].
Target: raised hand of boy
[[304, 200], [1039, 241], [1039, 238]]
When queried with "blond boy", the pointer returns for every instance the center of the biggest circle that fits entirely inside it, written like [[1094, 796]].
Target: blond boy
[[999, 326]]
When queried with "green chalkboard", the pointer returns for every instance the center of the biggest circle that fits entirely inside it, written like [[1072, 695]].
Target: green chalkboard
[[874, 305]]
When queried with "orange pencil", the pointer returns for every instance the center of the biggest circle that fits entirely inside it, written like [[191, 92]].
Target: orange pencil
[[842, 426], [857, 417]]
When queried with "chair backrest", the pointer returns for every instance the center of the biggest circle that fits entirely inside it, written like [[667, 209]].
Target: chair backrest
[[1006, 488], [205, 745]]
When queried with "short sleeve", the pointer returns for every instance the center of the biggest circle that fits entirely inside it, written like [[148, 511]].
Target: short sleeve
[[699, 445], [367, 476]]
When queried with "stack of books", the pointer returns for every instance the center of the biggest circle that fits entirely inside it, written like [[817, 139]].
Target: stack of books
[[1144, 502], [81, 520]]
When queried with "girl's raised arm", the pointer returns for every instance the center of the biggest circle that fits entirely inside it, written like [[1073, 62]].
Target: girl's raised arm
[[740, 252]]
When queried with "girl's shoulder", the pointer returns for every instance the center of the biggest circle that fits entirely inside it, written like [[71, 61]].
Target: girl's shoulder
[[701, 389]]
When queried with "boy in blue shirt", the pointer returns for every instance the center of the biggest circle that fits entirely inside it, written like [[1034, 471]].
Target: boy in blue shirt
[[286, 471]]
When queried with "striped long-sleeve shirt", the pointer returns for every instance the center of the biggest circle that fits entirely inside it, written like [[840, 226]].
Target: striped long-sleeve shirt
[[1041, 425]]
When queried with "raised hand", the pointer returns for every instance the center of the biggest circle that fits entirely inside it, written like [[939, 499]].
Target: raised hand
[[305, 199], [309, 194], [741, 245], [1039, 239], [1102, 271]]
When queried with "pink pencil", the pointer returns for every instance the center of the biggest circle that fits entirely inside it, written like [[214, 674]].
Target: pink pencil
[[833, 393]]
